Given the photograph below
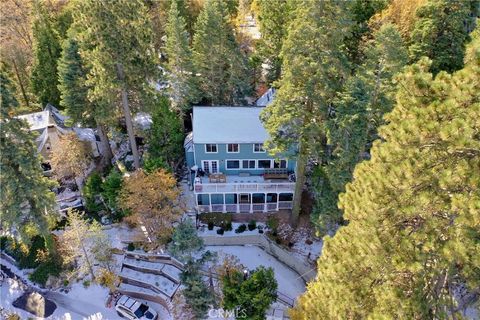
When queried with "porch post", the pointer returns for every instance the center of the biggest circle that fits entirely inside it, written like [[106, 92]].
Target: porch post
[[238, 202], [278, 199], [210, 201], [265, 209], [251, 202], [224, 206]]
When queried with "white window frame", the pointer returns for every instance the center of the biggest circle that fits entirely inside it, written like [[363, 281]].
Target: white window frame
[[211, 144], [271, 163], [210, 165], [238, 147], [239, 164], [254, 164], [258, 151]]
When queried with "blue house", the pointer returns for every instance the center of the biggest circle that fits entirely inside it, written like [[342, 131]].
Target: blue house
[[231, 171]]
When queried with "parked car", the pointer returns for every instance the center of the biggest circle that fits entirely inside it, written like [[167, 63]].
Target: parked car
[[132, 309]]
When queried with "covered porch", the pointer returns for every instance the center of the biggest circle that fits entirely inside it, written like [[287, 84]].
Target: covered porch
[[244, 202]]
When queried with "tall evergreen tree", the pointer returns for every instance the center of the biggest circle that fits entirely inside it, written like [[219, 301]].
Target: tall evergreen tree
[[367, 96], [47, 50], [116, 43], [273, 19], [222, 68], [440, 33], [27, 204], [411, 245], [361, 12], [165, 139], [72, 74], [181, 75], [314, 68]]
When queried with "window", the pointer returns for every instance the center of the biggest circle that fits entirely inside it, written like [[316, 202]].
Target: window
[[233, 164], [210, 166], [258, 147], [233, 148], [211, 148], [248, 164], [285, 197], [280, 164], [264, 164]]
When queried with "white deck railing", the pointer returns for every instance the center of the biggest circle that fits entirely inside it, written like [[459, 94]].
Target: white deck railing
[[244, 187], [246, 207]]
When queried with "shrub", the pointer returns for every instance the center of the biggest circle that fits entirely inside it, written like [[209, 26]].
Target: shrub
[[107, 279], [92, 188], [86, 283], [241, 228], [210, 225], [66, 283], [44, 270], [13, 316], [111, 190], [272, 223], [228, 226], [218, 219], [252, 225], [131, 246], [220, 231], [260, 230], [28, 260]]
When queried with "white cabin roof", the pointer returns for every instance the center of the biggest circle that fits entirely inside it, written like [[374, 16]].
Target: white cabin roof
[[228, 125], [37, 120]]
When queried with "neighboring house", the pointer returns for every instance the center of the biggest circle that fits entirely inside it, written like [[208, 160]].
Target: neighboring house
[[266, 98], [50, 126], [231, 170]]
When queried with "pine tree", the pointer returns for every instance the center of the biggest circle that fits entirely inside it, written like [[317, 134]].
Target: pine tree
[[72, 74], [361, 11], [440, 33], [197, 295], [252, 296], [165, 138], [359, 111], [222, 68], [185, 241], [181, 75], [27, 203], [47, 50], [413, 209], [314, 66], [273, 19], [116, 43]]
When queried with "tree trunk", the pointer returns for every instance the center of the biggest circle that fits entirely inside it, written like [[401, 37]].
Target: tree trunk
[[87, 260], [300, 183], [128, 117], [20, 83], [107, 153]]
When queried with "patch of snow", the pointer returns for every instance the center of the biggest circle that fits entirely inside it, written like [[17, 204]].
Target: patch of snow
[[143, 120]]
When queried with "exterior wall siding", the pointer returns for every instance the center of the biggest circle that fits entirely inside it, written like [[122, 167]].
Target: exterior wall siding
[[189, 159], [245, 153]]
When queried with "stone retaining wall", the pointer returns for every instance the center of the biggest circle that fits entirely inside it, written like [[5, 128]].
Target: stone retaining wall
[[304, 269]]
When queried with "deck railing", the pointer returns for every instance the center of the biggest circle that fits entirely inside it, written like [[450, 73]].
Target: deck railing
[[244, 187], [246, 207]]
